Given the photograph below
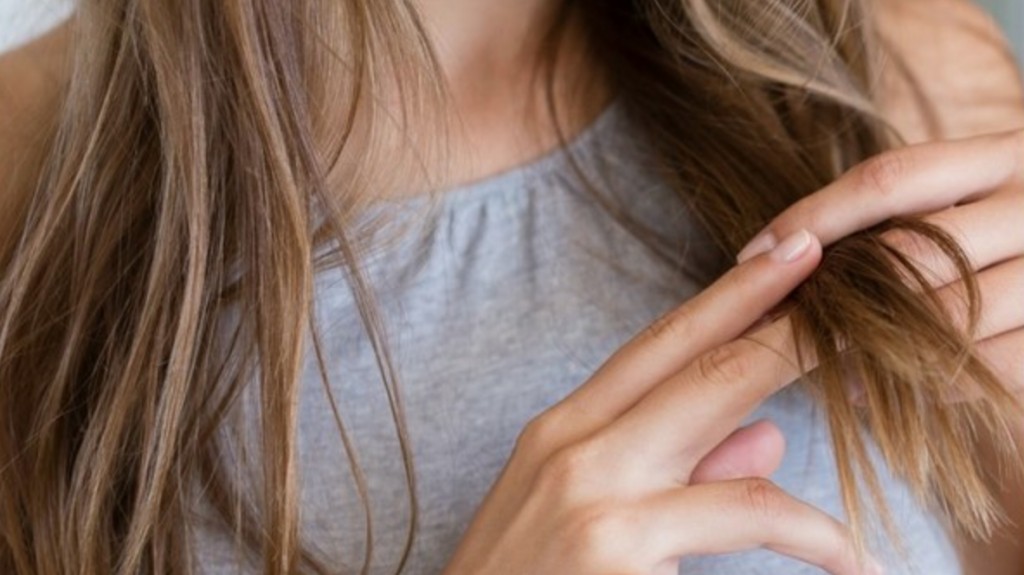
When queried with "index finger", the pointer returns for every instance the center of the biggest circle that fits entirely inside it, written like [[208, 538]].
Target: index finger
[[913, 180], [718, 314], [685, 417]]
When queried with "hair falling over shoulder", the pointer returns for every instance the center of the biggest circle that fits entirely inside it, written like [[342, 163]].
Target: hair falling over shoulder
[[205, 151]]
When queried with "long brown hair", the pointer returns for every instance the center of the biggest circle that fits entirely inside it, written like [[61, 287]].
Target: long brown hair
[[206, 151]]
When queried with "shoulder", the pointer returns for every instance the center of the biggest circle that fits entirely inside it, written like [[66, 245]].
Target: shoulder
[[32, 78], [948, 70]]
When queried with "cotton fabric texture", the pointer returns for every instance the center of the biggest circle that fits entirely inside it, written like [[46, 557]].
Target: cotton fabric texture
[[498, 304]]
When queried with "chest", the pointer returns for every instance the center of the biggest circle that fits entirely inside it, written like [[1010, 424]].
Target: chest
[[491, 315]]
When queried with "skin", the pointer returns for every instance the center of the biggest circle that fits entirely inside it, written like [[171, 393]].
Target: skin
[[498, 115], [702, 491], [962, 65], [978, 198], [581, 495], [29, 87], [974, 87], [601, 482]]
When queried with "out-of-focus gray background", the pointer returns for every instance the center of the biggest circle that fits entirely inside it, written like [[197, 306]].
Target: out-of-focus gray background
[[20, 20], [1009, 13]]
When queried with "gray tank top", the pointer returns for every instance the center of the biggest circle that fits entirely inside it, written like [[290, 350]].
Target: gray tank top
[[497, 305]]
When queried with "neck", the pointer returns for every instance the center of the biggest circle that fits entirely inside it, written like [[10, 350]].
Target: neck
[[486, 46], [492, 55]]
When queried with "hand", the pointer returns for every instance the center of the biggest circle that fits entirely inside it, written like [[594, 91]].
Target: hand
[[974, 190], [643, 464]]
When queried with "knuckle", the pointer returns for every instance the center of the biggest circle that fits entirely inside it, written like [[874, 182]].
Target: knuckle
[[763, 500], [881, 175], [569, 469], [672, 325], [540, 435], [725, 364], [907, 243], [601, 533]]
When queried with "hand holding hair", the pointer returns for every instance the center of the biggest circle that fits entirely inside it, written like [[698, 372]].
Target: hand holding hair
[[973, 189], [644, 464]]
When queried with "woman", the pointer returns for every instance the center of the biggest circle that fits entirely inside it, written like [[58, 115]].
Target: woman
[[213, 179]]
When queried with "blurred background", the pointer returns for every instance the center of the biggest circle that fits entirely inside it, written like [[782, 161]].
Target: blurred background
[[1009, 13], [23, 19]]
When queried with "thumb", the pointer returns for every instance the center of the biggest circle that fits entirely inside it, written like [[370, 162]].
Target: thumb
[[752, 451]]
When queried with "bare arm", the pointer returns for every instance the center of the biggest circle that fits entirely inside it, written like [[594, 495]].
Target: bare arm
[[969, 84]]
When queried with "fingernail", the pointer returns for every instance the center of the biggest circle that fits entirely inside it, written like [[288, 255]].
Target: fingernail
[[792, 247], [757, 246]]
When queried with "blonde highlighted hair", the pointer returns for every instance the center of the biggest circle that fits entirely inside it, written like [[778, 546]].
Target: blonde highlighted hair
[[206, 151]]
